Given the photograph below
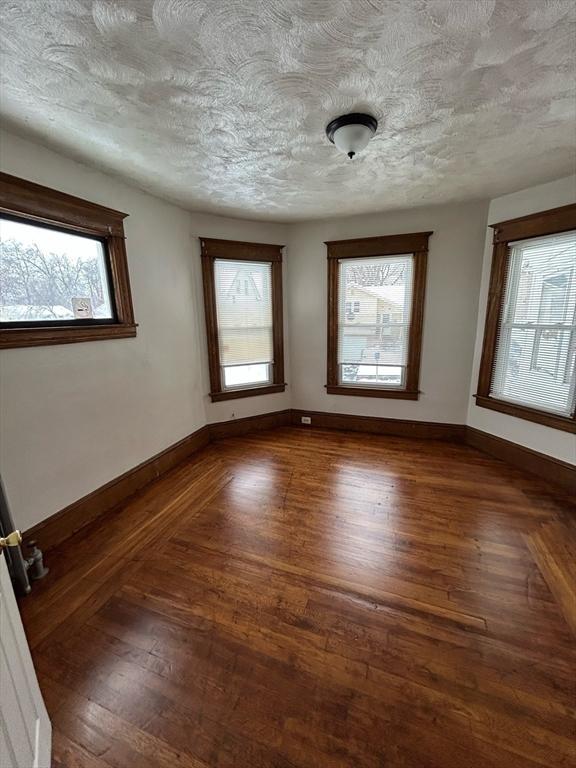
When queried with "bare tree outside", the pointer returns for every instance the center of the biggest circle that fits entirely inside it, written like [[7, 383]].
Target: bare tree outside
[[28, 276], [42, 271], [375, 274]]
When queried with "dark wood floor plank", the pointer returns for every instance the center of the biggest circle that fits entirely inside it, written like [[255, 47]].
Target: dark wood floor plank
[[553, 546], [67, 754], [294, 599]]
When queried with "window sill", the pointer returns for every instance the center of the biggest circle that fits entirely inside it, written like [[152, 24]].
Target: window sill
[[394, 394], [235, 394], [564, 423], [39, 337]]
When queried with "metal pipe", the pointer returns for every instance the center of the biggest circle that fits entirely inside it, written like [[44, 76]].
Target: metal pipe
[[16, 564]]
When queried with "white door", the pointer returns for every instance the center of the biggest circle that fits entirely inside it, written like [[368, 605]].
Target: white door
[[25, 730]]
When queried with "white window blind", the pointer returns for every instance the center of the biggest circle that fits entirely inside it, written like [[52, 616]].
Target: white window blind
[[536, 343], [374, 314], [244, 315]]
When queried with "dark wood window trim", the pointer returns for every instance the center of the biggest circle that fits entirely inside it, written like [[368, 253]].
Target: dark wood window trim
[[212, 249], [32, 203], [549, 222], [388, 245]]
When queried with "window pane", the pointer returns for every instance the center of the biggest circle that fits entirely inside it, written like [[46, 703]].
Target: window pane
[[50, 275], [380, 344], [243, 375], [244, 311], [375, 303], [535, 349], [370, 375]]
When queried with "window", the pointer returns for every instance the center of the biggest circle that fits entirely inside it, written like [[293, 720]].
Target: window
[[528, 358], [49, 275], [63, 270], [245, 342], [375, 350], [243, 303]]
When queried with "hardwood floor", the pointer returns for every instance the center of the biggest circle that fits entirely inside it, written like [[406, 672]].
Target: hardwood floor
[[301, 598]]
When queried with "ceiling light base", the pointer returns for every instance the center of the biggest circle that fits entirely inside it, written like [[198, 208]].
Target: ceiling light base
[[351, 133]]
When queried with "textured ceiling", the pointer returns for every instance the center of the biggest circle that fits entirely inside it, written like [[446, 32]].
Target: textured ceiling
[[221, 105]]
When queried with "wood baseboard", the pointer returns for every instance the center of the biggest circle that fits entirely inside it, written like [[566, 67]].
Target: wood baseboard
[[63, 524], [236, 427], [548, 468], [398, 427]]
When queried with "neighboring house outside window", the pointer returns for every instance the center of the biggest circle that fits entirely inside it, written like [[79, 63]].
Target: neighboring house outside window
[[551, 345]]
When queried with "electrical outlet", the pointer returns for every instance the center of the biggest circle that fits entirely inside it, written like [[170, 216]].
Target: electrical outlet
[[306, 419]]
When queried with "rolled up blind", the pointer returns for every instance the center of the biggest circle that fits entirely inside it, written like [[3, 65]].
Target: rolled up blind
[[244, 311], [374, 313], [536, 343]]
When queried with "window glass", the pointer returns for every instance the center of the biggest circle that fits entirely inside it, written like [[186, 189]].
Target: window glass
[[243, 375], [373, 339], [535, 351], [244, 312], [50, 275]]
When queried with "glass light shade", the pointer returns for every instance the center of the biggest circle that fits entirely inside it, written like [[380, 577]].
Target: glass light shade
[[352, 138]]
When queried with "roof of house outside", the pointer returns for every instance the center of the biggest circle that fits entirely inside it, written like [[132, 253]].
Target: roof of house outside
[[392, 293]]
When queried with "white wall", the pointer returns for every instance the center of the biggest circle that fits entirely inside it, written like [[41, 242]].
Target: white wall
[[72, 417], [453, 280], [552, 442]]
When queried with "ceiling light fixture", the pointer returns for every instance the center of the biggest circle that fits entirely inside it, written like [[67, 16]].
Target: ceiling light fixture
[[351, 133]]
